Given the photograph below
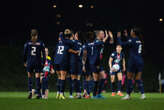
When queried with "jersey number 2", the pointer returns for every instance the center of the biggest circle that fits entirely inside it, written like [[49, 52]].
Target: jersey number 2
[[33, 51], [60, 49]]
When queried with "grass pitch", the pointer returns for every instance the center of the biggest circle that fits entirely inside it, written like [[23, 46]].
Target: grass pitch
[[19, 101]]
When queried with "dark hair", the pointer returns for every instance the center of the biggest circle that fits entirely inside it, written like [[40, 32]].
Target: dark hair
[[34, 32], [138, 32], [67, 33]]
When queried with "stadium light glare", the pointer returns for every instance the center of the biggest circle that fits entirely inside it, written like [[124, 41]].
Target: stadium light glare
[[54, 6], [161, 19], [80, 5]]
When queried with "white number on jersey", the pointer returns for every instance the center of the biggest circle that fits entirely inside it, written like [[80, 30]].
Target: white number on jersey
[[92, 50], [80, 49], [33, 51], [140, 49], [60, 49]]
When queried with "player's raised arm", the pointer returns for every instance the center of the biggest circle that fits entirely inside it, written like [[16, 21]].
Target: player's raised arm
[[106, 36], [111, 41], [129, 42]]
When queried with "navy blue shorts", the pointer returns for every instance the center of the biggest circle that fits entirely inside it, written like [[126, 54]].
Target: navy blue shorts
[[94, 68], [115, 73], [79, 68], [37, 68], [101, 69], [76, 68], [135, 65], [61, 67], [72, 68]]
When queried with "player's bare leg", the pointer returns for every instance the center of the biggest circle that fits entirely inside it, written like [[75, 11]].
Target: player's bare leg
[[29, 85], [140, 84], [129, 86], [119, 76], [112, 79]]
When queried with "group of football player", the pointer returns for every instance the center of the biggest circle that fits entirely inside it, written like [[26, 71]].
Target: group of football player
[[75, 60]]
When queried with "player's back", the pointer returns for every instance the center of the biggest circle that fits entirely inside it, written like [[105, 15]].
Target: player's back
[[93, 51], [61, 53], [33, 51], [136, 47], [74, 46]]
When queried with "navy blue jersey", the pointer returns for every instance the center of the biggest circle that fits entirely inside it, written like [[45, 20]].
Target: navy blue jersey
[[134, 44], [94, 50], [34, 52], [61, 53], [117, 58], [77, 46]]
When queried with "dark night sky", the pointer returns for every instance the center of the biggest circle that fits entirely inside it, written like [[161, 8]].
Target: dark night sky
[[18, 17]]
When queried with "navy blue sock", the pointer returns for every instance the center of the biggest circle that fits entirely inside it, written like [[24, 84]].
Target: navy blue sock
[[43, 85], [30, 85], [140, 86], [62, 86], [38, 86], [58, 85], [91, 85], [75, 86], [70, 86], [113, 86], [88, 87], [85, 84], [119, 85], [46, 83], [79, 86], [101, 85], [129, 86], [95, 88]]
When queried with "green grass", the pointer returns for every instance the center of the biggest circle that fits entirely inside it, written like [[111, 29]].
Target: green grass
[[18, 101]]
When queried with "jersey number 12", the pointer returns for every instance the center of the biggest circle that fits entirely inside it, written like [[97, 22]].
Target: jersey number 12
[[60, 49]]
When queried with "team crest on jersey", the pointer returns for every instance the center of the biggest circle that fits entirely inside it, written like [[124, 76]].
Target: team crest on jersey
[[117, 60]]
